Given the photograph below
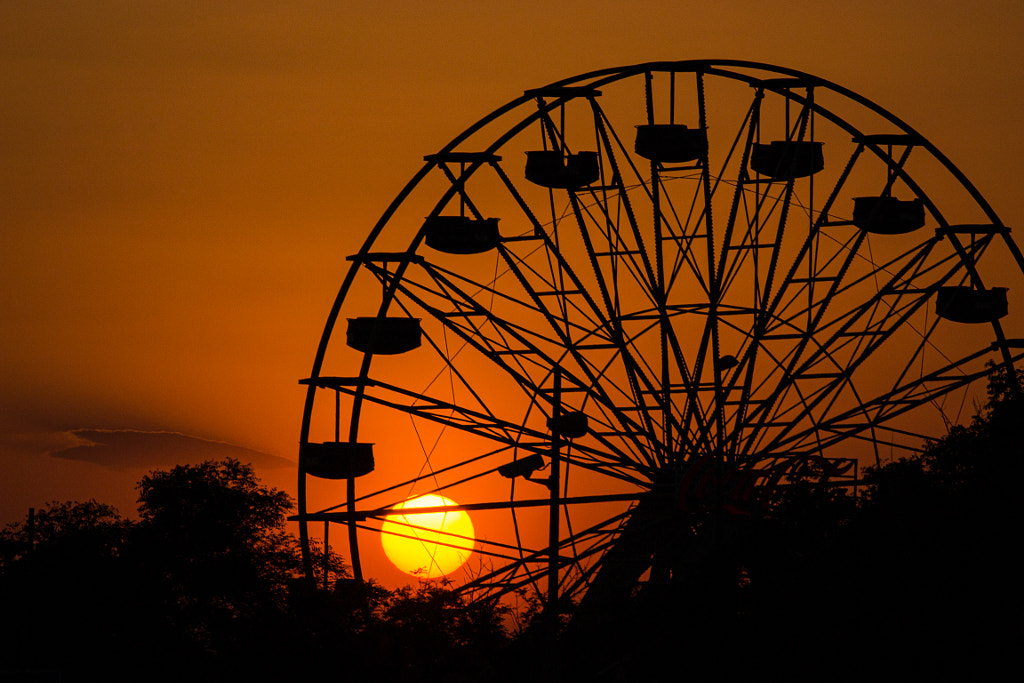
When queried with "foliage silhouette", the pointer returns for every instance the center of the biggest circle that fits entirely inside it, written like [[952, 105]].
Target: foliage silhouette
[[73, 530], [914, 576], [945, 529], [215, 560], [212, 540], [207, 586], [431, 633], [65, 590], [199, 583]]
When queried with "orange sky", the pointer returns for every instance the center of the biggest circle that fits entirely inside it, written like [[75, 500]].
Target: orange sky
[[181, 183]]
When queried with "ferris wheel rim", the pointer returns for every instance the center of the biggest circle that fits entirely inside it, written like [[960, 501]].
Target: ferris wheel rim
[[601, 77]]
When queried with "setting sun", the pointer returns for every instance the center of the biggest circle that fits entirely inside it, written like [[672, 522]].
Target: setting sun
[[430, 544]]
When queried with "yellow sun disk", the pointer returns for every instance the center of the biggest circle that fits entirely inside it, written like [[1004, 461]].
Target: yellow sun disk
[[429, 544]]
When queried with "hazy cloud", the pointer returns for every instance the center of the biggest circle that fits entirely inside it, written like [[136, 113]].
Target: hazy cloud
[[131, 449]]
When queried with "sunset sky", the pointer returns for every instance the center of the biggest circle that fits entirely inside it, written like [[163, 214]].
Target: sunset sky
[[180, 183]]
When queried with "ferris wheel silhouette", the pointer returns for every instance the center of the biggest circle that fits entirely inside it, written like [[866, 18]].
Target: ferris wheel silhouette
[[642, 294]]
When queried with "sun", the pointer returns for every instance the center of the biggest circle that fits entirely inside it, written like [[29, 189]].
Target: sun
[[428, 544]]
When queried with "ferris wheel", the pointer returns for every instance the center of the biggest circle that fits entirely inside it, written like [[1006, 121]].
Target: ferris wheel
[[643, 292]]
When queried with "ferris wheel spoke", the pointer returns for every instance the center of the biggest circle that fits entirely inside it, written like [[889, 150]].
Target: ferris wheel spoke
[[594, 540], [749, 243], [582, 350], [499, 340], [639, 380], [810, 248], [827, 374], [859, 333], [764, 230], [605, 318], [697, 417], [607, 281], [887, 406], [606, 134], [835, 380], [904, 276], [519, 350]]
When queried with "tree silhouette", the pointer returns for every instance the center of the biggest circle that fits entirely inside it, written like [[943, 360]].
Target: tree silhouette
[[217, 561], [917, 575], [199, 584], [74, 530], [944, 534], [63, 588], [431, 633]]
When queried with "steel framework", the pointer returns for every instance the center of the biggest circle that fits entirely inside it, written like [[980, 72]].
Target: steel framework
[[672, 285]]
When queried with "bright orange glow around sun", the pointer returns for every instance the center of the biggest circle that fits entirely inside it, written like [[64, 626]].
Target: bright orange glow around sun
[[431, 544]]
